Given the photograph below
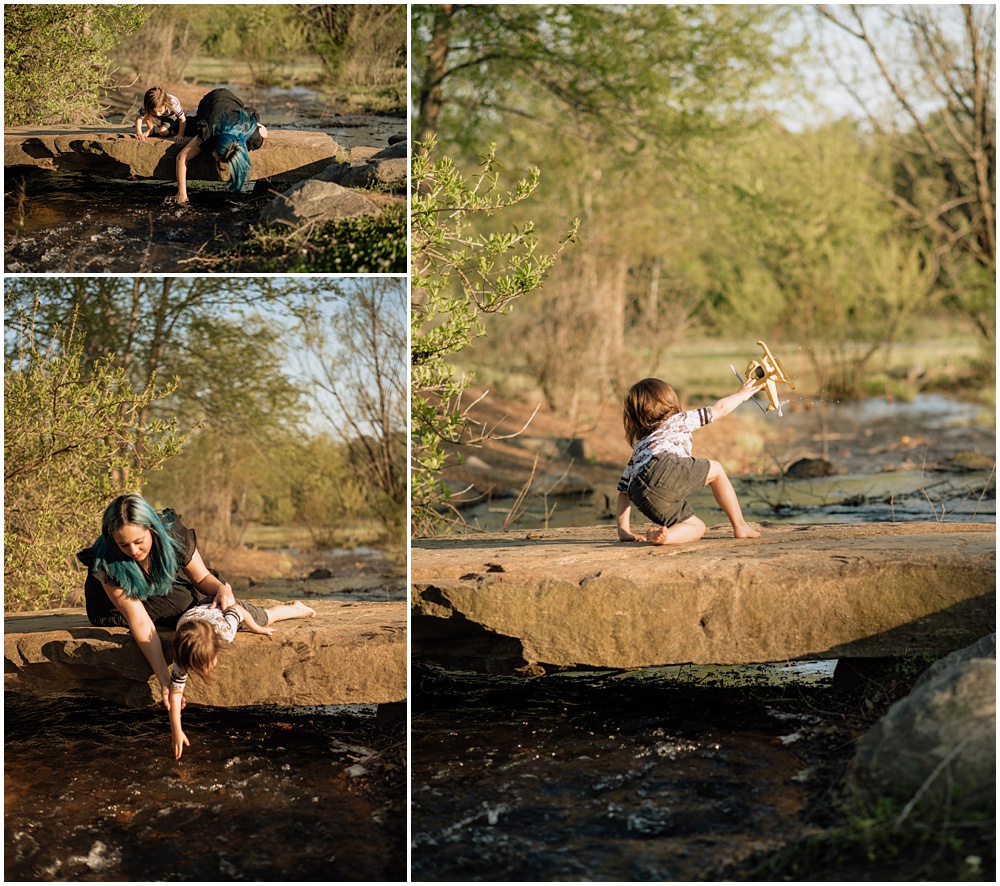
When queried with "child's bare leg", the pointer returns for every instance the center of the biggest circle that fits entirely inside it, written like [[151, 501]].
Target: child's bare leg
[[285, 611], [725, 495], [681, 533]]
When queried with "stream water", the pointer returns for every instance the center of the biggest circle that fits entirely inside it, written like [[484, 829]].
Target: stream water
[[678, 774], [60, 223], [92, 792], [657, 775], [931, 458]]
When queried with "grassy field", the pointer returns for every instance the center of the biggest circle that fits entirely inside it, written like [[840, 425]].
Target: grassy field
[[370, 534], [701, 369]]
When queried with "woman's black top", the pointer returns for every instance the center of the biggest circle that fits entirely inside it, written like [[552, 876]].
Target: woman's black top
[[164, 610], [217, 107]]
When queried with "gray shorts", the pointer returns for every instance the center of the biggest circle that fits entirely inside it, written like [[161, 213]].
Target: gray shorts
[[259, 615], [660, 490]]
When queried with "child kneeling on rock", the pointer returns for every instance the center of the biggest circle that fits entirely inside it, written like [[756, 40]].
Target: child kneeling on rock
[[662, 472], [202, 633]]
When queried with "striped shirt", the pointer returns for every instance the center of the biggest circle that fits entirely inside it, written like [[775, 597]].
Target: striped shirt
[[225, 624], [672, 437]]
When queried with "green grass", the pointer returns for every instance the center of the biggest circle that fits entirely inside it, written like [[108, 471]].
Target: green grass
[[699, 368], [362, 245]]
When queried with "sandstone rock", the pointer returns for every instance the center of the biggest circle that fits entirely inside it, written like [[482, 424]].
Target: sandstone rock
[[315, 202], [385, 168], [349, 653], [285, 156], [577, 596], [936, 748]]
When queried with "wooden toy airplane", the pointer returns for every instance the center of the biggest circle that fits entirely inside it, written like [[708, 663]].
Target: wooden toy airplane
[[769, 370]]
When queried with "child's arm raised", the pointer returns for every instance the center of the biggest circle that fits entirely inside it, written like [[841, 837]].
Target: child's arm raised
[[623, 513], [728, 404]]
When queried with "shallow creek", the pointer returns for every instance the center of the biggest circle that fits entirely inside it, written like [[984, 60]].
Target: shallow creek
[[81, 223], [663, 774], [92, 792], [679, 774], [931, 458]]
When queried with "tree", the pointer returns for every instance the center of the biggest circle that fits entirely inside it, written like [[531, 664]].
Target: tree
[[67, 435], [355, 339], [247, 409], [650, 72], [943, 134], [618, 103], [362, 43], [809, 247], [56, 59], [457, 277]]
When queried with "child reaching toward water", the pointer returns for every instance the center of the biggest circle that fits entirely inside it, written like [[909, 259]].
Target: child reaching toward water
[[162, 113], [202, 633], [662, 473]]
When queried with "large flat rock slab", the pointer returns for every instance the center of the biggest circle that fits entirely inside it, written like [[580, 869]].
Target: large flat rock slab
[[349, 653], [285, 156], [571, 597]]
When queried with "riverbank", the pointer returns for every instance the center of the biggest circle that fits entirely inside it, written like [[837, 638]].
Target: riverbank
[[62, 222]]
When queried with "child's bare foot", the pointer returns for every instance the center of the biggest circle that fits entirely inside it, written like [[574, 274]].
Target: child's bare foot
[[300, 610], [745, 530], [658, 535]]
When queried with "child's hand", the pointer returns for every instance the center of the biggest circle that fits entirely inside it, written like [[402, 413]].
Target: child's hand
[[629, 536], [180, 741], [751, 386], [257, 629], [141, 136]]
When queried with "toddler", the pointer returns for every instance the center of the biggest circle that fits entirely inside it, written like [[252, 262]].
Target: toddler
[[662, 473], [202, 633], [163, 115]]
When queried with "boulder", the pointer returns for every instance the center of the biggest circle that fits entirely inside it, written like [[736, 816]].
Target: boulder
[[349, 653], [807, 468], [285, 156], [387, 168], [934, 752], [315, 202], [579, 597], [984, 648]]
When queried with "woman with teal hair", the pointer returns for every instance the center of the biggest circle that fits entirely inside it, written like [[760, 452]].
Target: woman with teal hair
[[143, 572], [228, 130]]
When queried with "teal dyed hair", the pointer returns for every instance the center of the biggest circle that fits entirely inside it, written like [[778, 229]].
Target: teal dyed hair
[[122, 569], [229, 145]]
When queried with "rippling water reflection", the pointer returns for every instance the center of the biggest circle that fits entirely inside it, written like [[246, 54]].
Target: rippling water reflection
[[635, 776], [92, 792]]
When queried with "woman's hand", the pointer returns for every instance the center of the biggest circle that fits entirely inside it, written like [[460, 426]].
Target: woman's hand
[[224, 598], [262, 130]]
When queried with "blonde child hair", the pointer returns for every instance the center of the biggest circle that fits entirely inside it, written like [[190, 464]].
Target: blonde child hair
[[648, 403], [196, 647]]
